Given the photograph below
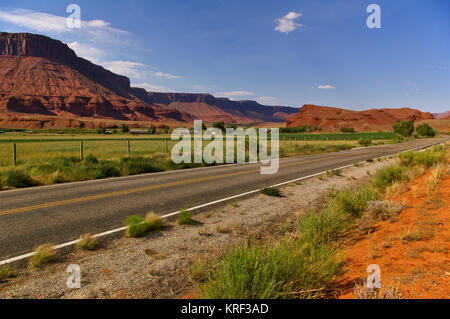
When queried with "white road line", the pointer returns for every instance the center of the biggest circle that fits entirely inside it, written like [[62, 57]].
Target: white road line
[[113, 231]]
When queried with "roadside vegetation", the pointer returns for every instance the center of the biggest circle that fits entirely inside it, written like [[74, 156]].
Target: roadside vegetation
[[138, 226], [43, 254], [49, 159], [305, 263]]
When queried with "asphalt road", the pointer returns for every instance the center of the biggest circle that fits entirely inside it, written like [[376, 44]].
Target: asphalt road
[[60, 213]]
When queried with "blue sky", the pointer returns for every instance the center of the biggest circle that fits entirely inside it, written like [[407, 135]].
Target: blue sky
[[243, 50]]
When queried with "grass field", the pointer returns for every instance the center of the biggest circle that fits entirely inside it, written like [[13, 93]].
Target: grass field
[[54, 158]]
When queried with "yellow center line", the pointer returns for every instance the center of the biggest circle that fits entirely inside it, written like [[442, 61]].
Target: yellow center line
[[141, 189]]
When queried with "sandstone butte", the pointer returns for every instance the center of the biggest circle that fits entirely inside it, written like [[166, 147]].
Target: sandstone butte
[[46, 85], [333, 119]]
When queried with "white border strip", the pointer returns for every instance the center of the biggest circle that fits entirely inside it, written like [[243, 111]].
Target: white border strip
[[113, 231]]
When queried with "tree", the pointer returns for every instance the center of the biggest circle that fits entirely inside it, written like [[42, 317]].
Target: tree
[[152, 129], [219, 125], [404, 128], [125, 128], [425, 130]]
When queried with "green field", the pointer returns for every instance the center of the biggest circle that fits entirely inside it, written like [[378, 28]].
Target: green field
[[54, 158]]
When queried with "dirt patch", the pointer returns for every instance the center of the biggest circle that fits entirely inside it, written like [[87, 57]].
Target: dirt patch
[[158, 265], [412, 250]]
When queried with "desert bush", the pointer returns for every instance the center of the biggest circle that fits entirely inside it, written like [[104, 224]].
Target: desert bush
[[269, 191], [425, 130], [91, 159], [42, 255], [290, 269], [5, 273], [384, 210], [18, 178], [202, 269], [353, 202], [106, 169], [153, 221], [136, 226], [388, 175], [87, 242], [185, 217], [322, 227], [365, 141], [426, 158]]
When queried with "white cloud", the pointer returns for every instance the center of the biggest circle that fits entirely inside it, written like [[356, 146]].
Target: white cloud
[[326, 87], [287, 23], [48, 23], [136, 70], [235, 94], [131, 69], [267, 100], [87, 51], [153, 87], [167, 75]]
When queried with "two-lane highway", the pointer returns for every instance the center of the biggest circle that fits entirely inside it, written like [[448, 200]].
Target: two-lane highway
[[60, 213]]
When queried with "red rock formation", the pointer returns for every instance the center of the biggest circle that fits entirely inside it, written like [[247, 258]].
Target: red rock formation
[[441, 116], [44, 76], [332, 119], [211, 109]]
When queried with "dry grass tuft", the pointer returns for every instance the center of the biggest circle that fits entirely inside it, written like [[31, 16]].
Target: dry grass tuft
[[43, 254], [87, 242]]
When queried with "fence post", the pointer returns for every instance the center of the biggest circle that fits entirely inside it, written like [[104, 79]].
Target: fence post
[[128, 147], [166, 146], [81, 151], [14, 154]]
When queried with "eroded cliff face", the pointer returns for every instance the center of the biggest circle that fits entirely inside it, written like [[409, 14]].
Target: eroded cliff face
[[209, 108], [33, 45], [332, 119], [44, 76]]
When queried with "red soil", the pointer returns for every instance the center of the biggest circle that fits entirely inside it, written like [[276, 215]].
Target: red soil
[[421, 269], [331, 119]]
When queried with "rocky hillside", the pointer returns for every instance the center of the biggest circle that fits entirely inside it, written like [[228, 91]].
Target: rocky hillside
[[45, 77], [332, 119], [210, 108]]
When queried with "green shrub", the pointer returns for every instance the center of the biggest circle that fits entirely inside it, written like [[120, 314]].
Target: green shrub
[[388, 175], [425, 130], [426, 158], [365, 141], [105, 169], [353, 202], [137, 226], [185, 217], [268, 191], [5, 273], [348, 130], [322, 227], [290, 269], [153, 221], [125, 128], [91, 159], [18, 178], [404, 128]]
